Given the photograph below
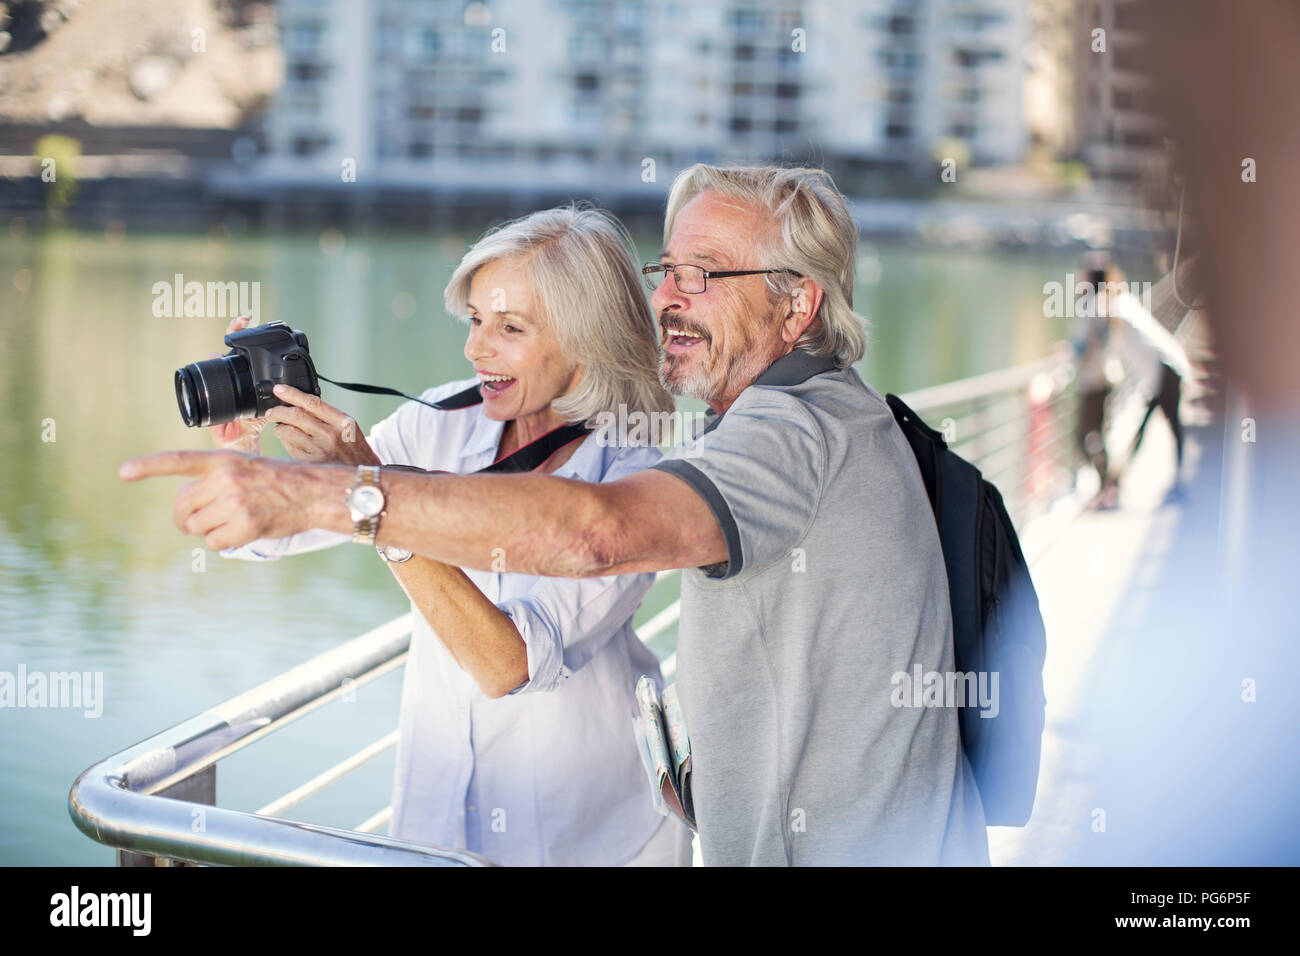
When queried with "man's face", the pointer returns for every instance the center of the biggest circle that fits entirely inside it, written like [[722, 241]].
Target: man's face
[[732, 328]]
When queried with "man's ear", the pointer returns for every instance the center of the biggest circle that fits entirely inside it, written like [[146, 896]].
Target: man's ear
[[805, 303]]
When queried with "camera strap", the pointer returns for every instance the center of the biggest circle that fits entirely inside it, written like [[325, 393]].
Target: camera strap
[[523, 459], [465, 399]]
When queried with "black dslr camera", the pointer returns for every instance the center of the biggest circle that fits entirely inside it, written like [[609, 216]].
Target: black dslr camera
[[238, 384]]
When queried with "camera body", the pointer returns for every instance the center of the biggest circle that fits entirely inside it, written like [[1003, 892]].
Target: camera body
[[276, 355], [238, 384]]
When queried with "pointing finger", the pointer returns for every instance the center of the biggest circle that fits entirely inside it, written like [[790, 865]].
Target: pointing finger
[[194, 463]]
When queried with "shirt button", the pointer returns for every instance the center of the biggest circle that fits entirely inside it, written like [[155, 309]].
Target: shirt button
[[473, 809]]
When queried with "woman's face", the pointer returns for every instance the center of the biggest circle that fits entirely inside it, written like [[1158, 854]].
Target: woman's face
[[515, 355]]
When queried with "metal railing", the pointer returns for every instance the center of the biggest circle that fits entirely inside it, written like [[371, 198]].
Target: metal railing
[[153, 802], [154, 798], [1016, 425]]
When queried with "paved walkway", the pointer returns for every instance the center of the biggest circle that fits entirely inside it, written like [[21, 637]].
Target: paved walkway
[[1152, 754]]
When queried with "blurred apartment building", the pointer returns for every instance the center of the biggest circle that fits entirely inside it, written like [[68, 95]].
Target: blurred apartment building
[[552, 94], [1120, 137]]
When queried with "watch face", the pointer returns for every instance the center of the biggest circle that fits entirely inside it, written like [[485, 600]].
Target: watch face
[[396, 554], [368, 500]]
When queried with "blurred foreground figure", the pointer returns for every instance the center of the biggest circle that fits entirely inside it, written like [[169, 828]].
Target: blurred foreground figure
[[1220, 695]]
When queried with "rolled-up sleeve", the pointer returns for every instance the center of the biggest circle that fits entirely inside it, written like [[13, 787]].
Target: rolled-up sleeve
[[564, 622], [271, 549]]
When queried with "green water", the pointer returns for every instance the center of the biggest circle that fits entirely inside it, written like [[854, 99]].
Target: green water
[[95, 578]]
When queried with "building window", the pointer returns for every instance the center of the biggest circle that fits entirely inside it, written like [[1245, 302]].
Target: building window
[[1127, 17], [973, 22], [586, 47], [1131, 60], [302, 38], [899, 59], [309, 145], [307, 72]]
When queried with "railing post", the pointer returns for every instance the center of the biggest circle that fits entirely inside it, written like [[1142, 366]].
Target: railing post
[[1037, 462], [200, 788]]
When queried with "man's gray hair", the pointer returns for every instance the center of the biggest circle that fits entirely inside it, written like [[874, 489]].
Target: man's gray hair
[[579, 262], [815, 235]]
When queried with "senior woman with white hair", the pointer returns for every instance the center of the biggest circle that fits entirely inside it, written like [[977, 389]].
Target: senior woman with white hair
[[515, 734]]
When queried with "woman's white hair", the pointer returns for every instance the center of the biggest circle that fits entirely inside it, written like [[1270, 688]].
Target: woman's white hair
[[579, 262], [816, 237]]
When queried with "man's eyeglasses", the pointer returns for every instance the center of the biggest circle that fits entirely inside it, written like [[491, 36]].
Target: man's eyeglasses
[[693, 280]]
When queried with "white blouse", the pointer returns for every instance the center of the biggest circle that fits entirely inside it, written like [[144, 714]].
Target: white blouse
[[550, 773]]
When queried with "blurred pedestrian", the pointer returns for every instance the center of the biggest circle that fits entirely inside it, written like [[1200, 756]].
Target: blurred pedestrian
[[1095, 349], [1154, 356]]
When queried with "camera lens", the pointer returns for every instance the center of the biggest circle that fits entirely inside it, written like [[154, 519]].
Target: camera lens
[[215, 391], [186, 397]]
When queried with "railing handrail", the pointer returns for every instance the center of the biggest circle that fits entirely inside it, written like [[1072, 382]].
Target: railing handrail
[[113, 802], [967, 390]]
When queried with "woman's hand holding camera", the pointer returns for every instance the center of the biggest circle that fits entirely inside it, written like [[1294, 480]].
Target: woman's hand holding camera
[[314, 431], [245, 434]]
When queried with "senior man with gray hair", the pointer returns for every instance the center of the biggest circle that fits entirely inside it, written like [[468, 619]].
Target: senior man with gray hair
[[813, 567]]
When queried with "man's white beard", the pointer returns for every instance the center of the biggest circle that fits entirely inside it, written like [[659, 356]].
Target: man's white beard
[[701, 383], [694, 384]]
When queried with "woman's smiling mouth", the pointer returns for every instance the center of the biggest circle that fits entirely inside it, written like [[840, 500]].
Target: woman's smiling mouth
[[493, 385]]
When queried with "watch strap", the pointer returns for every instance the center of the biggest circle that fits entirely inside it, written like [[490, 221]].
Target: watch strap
[[364, 528]]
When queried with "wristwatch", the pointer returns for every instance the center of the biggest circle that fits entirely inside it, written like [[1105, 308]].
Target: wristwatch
[[365, 502], [394, 555]]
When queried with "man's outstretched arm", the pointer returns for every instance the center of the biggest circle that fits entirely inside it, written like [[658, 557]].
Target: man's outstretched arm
[[531, 524]]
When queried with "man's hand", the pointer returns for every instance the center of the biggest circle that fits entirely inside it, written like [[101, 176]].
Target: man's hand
[[238, 498], [312, 430]]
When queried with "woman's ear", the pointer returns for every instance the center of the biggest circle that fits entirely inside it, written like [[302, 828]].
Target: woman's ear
[[575, 378]]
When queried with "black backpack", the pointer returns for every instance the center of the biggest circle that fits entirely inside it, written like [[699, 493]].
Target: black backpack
[[996, 624]]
